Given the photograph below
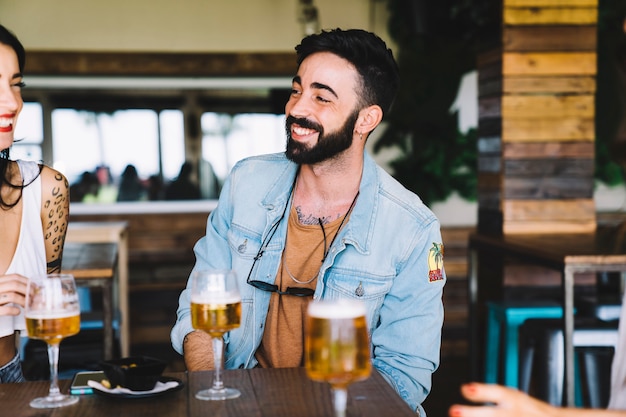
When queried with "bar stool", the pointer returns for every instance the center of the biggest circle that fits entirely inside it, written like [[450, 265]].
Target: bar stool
[[90, 319], [542, 341], [505, 318]]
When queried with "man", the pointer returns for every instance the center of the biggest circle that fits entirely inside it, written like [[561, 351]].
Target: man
[[323, 221]]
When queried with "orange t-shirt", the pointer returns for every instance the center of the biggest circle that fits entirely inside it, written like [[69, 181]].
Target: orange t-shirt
[[282, 345]]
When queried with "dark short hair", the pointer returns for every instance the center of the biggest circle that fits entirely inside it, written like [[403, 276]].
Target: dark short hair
[[8, 38], [368, 53]]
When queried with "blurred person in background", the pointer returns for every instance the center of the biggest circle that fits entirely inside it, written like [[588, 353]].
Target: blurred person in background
[[183, 187], [131, 187]]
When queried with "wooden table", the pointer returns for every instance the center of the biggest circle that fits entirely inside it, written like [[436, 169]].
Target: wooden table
[[265, 392], [93, 264], [571, 254], [109, 232]]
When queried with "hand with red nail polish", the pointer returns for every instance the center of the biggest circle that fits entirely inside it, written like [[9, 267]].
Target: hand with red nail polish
[[500, 401]]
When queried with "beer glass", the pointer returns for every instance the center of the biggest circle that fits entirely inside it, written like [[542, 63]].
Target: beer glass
[[216, 309], [52, 313], [336, 347]]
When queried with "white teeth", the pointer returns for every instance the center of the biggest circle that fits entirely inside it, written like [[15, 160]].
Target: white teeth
[[6, 122], [302, 131]]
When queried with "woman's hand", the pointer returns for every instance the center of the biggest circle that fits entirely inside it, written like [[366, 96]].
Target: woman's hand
[[12, 293], [506, 402]]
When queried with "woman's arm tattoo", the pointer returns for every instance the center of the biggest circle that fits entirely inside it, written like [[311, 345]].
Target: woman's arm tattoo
[[56, 207]]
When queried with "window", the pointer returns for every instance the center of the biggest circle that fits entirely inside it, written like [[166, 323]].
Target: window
[[226, 139], [152, 126], [29, 134], [84, 140]]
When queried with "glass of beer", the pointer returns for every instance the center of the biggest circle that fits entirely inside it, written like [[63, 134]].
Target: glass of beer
[[336, 347], [52, 313], [216, 309]]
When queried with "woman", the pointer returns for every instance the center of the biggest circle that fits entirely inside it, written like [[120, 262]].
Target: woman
[[34, 210], [131, 188]]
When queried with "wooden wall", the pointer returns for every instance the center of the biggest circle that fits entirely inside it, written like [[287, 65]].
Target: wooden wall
[[536, 119]]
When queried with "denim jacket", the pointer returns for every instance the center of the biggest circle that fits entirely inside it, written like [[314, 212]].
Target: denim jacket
[[382, 256]]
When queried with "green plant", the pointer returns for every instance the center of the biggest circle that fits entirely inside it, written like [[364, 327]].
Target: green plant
[[437, 45]]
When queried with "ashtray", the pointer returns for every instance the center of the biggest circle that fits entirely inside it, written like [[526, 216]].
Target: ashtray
[[137, 373]]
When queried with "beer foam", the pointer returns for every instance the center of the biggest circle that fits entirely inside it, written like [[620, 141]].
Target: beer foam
[[338, 309], [216, 297], [47, 314]]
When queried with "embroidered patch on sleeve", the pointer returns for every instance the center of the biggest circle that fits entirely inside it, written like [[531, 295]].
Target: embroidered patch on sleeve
[[435, 262]]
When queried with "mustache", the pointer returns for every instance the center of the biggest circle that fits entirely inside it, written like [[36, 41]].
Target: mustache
[[308, 124]]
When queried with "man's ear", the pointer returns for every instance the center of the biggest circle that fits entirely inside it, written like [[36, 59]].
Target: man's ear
[[369, 118]]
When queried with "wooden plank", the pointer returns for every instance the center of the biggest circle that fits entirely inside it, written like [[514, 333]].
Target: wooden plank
[[489, 57], [549, 63], [549, 38], [514, 150], [161, 64], [550, 3], [553, 210], [550, 16], [524, 275], [491, 87], [488, 73], [489, 163], [544, 130], [90, 260], [489, 181], [489, 144], [537, 276], [547, 188], [490, 106], [548, 227], [548, 84], [549, 167], [546, 106], [489, 126]]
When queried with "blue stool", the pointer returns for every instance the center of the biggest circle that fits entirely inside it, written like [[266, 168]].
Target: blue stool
[[506, 317], [90, 320]]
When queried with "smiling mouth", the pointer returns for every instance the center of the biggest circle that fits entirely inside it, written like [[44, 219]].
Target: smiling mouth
[[6, 122], [302, 131]]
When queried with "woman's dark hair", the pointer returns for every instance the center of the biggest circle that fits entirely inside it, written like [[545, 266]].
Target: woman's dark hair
[[8, 38], [367, 53]]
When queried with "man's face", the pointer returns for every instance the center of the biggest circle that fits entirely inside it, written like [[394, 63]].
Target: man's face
[[322, 109], [328, 145]]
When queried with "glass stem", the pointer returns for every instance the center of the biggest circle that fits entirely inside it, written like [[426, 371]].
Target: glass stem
[[218, 352], [340, 400], [53, 359]]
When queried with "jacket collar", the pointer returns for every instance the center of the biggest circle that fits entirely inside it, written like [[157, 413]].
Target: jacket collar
[[359, 229]]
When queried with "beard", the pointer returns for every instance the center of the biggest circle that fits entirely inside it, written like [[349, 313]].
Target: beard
[[328, 146]]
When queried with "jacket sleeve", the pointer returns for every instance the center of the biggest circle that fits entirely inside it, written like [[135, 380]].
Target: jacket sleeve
[[211, 252], [406, 342]]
